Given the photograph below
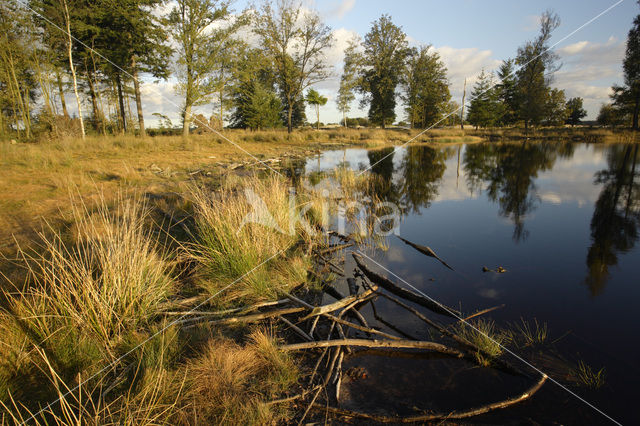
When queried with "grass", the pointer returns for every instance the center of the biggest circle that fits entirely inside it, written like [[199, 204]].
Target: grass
[[96, 296], [486, 337], [588, 377], [531, 334], [240, 228]]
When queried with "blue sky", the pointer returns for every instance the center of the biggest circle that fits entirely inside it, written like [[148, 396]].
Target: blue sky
[[470, 35]]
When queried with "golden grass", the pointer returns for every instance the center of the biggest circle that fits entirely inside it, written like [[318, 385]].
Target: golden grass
[[486, 336]]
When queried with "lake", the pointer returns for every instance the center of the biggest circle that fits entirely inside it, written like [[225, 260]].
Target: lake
[[562, 219]]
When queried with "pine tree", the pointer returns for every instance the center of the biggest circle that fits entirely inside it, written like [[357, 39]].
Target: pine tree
[[627, 97], [316, 99], [485, 108]]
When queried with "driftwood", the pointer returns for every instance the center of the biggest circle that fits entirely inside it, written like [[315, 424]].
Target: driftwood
[[251, 318], [365, 343], [319, 310], [425, 250], [402, 292], [440, 416], [463, 342], [297, 329], [336, 247]]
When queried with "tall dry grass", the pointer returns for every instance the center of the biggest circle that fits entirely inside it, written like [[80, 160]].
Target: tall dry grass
[[247, 232]]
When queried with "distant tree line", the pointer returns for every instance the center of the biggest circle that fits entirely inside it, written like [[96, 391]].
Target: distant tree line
[[98, 50]]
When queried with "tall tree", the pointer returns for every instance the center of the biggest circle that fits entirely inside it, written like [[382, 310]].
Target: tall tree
[[67, 22], [349, 78], [200, 28], [575, 112], [507, 92], [316, 99], [383, 62], [537, 64], [485, 108], [426, 87], [627, 97], [295, 40]]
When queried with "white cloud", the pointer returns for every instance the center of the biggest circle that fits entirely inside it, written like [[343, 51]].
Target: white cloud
[[589, 69], [531, 23], [342, 9]]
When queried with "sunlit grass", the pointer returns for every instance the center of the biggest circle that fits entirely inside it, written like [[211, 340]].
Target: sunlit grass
[[588, 377], [485, 335], [531, 334]]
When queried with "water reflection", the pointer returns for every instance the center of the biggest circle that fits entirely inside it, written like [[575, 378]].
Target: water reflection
[[508, 172], [614, 225]]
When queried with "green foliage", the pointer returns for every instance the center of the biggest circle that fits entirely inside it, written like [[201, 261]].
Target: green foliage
[[627, 97], [294, 41], [575, 112], [349, 78], [507, 93], [485, 108], [612, 115], [316, 99], [426, 87], [555, 109], [382, 64], [536, 63]]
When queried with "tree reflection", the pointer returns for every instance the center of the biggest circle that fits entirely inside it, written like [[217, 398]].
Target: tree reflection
[[508, 173], [614, 225], [381, 161], [422, 171]]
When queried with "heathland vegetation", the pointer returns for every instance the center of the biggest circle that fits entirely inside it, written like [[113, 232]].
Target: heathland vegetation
[[133, 291]]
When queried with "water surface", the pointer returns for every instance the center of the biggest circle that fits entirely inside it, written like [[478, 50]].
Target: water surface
[[562, 219]]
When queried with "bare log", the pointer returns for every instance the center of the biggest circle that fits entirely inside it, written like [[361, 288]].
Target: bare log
[[365, 343], [425, 250], [440, 416], [402, 292]]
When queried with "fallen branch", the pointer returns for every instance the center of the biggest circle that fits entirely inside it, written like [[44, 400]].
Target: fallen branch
[[319, 310], [396, 344], [439, 416], [249, 318], [402, 292], [425, 250]]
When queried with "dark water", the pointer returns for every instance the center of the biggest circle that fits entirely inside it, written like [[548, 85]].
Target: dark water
[[563, 220]]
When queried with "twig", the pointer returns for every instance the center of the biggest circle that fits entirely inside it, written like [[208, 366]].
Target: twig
[[249, 318], [296, 329], [440, 416]]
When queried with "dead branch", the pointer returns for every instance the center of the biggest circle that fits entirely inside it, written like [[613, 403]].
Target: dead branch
[[250, 318], [425, 250], [440, 416], [297, 329], [396, 344], [402, 292], [319, 310]]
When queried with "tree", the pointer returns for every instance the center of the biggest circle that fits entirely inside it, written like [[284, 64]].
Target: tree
[[67, 22], [295, 41], [315, 98], [349, 78], [575, 112], [537, 63], [485, 108], [200, 28], [555, 109], [627, 97], [383, 61], [507, 93], [258, 108], [426, 87], [611, 115]]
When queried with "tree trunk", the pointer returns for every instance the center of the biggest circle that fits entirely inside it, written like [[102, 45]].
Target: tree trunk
[[73, 69], [464, 94], [289, 116], [94, 102], [121, 104], [344, 116], [318, 117], [634, 124], [62, 100], [187, 120], [136, 87]]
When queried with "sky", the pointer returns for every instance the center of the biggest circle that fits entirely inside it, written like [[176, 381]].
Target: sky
[[469, 35]]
